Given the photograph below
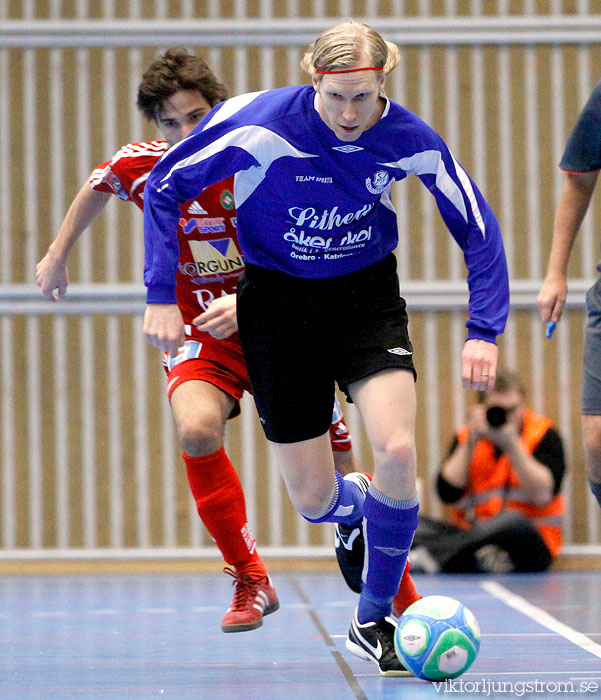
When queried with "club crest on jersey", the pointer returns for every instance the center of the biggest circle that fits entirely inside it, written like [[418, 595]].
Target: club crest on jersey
[[227, 199], [378, 183]]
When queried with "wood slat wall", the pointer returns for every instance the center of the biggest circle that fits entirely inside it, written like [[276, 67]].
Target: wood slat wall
[[83, 411]]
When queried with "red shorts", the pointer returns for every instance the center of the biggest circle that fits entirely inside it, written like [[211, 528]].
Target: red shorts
[[218, 362], [221, 363]]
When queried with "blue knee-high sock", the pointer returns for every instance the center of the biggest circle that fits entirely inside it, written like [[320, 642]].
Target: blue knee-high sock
[[596, 489], [389, 528], [346, 506]]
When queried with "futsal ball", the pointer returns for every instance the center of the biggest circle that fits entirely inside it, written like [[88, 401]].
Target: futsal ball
[[437, 638]]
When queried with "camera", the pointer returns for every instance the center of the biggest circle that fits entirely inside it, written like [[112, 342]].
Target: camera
[[496, 416]]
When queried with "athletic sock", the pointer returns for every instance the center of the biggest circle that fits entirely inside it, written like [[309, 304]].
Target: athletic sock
[[389, 529], [596, 489], [407, 593], [346, 506], [219, 498]]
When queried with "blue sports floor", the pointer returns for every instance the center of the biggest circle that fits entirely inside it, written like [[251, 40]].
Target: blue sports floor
[[131, 637]]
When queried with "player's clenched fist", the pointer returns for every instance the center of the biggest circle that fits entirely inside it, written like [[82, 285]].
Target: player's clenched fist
[[164, 327]]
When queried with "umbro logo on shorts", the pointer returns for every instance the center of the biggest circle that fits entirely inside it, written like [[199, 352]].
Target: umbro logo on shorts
[[400, 351]]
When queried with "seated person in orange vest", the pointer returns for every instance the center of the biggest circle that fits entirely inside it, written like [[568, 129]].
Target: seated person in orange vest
[[503, 477]]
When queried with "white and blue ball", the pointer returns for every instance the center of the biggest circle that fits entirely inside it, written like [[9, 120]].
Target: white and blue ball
[[437, 638]]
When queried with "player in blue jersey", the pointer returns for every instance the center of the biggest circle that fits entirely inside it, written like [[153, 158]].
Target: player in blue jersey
[[313, 169]]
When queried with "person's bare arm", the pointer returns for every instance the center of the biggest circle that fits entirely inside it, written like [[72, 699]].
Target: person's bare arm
[[51, 272], [455, 469], [572, 206], [536, 479]]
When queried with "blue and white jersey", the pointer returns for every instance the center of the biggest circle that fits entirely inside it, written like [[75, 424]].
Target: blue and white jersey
[[313, 206]]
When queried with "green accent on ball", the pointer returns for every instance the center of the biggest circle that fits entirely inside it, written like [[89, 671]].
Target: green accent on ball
[[460, 656]]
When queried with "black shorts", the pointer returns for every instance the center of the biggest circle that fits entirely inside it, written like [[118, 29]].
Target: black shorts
[[300, 336]]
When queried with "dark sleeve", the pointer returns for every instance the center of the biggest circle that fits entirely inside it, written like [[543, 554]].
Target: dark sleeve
[[583, 150], [549, 452], [446, 491]]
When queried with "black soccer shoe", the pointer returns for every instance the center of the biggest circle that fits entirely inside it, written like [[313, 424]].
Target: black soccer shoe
[[374, 641], [350, 544]]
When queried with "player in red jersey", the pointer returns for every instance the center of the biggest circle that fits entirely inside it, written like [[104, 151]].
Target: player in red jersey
[[206, 379]]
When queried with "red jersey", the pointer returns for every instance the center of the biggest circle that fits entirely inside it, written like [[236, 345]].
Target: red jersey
[[210, 264], [210, 261]]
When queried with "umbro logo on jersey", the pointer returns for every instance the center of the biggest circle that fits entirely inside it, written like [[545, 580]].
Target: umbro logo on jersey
[[195, 208], [400, 351], [349, 148]]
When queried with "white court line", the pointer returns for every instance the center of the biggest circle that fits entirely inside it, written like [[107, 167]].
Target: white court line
[[526, 673], [50, 613], [339, 604], [541, 616], [517, 634], [296, 606], [105, 612]]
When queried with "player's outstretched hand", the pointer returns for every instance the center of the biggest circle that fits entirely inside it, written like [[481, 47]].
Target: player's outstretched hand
[[479, 365], [164, 327], [50, 275], [219, 320]]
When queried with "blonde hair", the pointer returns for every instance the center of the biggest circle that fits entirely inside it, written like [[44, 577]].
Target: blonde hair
[[343, 45]]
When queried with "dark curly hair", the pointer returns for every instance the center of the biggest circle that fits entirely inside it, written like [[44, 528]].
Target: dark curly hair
[[177, 69]]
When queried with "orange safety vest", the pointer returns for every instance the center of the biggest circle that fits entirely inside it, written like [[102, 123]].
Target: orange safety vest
[[494, 485]]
